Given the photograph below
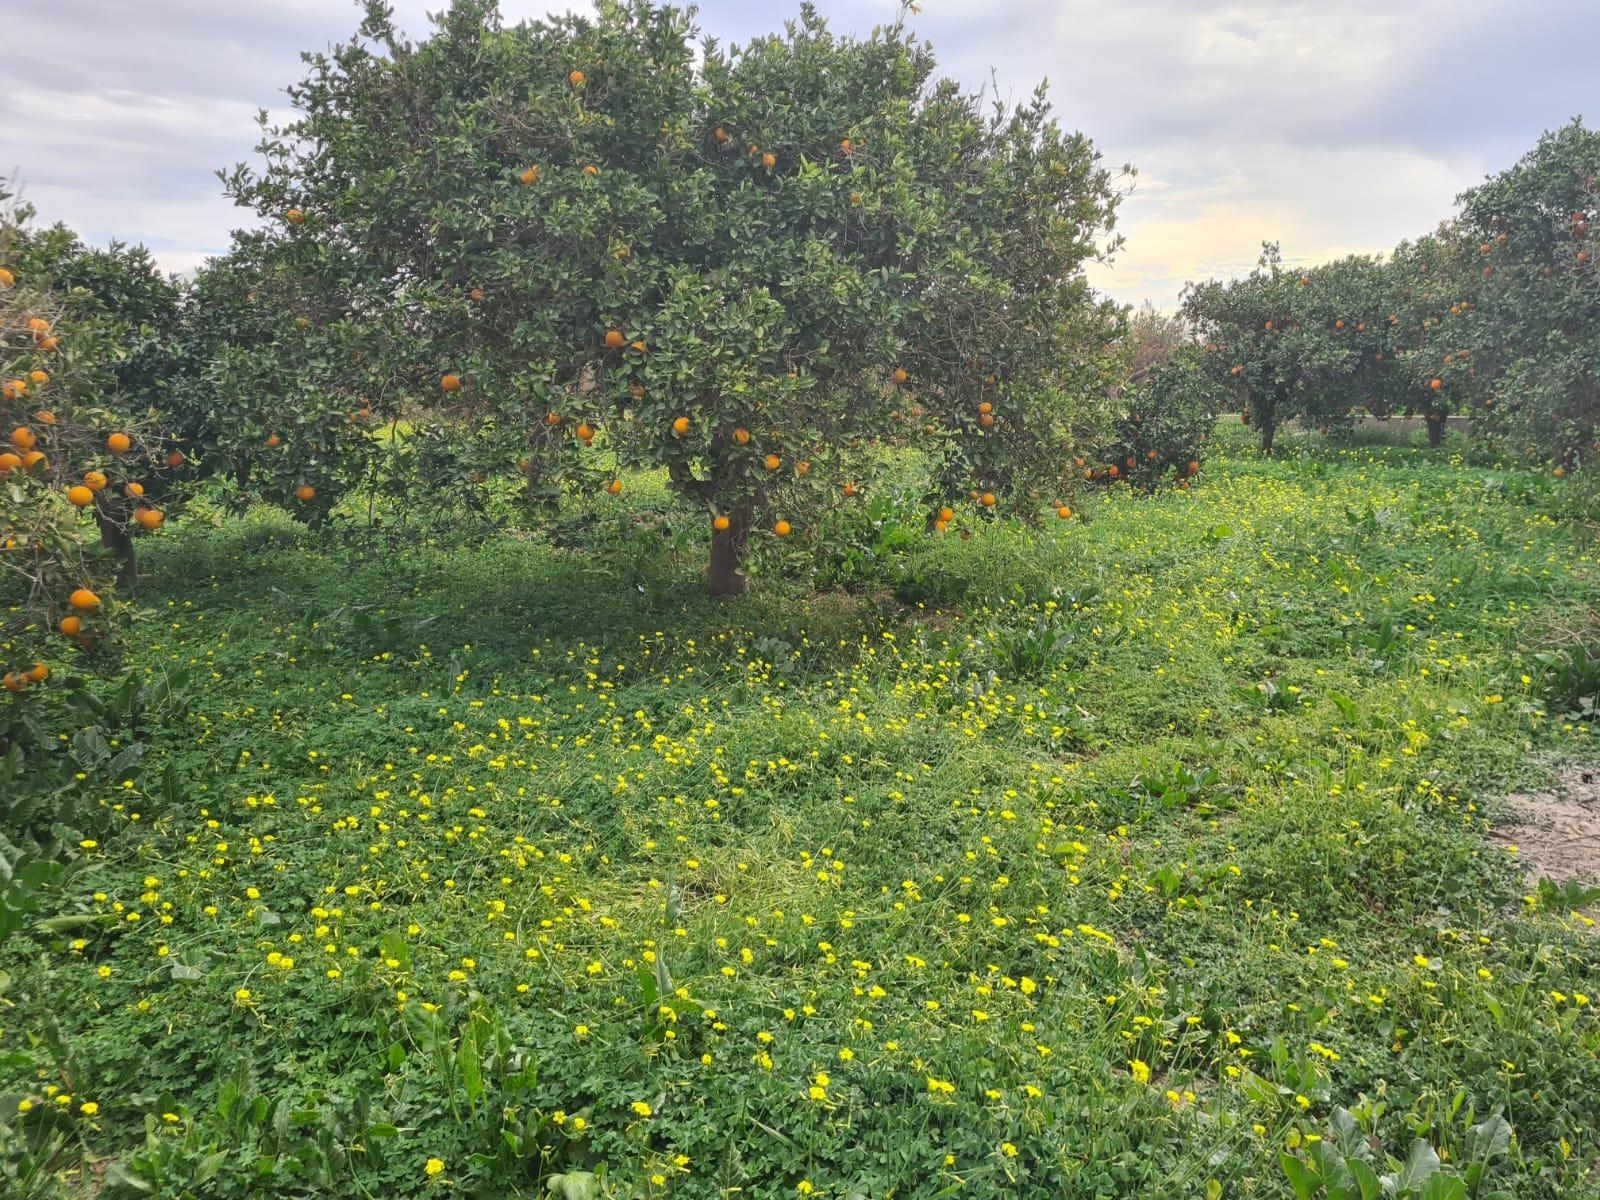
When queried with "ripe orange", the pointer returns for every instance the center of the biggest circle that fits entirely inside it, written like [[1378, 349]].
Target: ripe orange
[[615, 340], [1063, 512], [802, 468], [148, 518], [576, 78], [34, 458], [986, 420], [1559, 472], [305, 493], [71, 626], [583, 431], [782, 529], [947, 514], [39, 376], [847, 147], [9, 462], [591, 169], [84, 600], [639, 347], [769, 161], [899, 375], [986, 407], [1436, 384], [741, 435], [294, 216], [720, 135], [1194, 466], [23, 438], [12, 683], [614, 486], [273, 441], [119, 443], [987, 499], [95, 480], [849, 489], [477, 293], [38, 325], [6, 278], [531, 175], [450, 383], [720, 524], [773, 462], [941, 525], [680, 426], [1113, 471], [175, 459], [80, 496], [134, 489]]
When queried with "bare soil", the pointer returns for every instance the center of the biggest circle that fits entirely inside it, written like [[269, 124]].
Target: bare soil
[[1557, 832]]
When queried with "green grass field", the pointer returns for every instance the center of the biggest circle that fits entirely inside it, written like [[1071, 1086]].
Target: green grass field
[[1129, 856]]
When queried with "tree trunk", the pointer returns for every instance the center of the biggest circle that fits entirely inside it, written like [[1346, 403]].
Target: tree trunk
[[725, 576], [117, 540], [1435, 423]]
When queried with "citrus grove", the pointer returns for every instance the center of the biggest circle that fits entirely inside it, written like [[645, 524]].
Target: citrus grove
[[645, 633]]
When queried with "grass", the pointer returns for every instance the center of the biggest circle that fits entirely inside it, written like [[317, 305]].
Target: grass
[[1137, 855]]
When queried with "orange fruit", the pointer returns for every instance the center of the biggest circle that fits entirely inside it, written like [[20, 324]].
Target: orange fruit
[[773, 462], [552, 418], [769, 161], [119, 443], [175, 459], [987, 499], [14, 389], [37, 673], [477, 293], [1063, 512], [49, 343], [720, 524], [71, 626], [450, 383], [720, 135], [802, 468], [1436, 384], [39, 376], [639, 347], [9, 462], [134, 489], [941, 525], [12, 683], [899, 375], [1112, 471], [531, 175], [305, 493], [742, 436], [149, 518], [636, 390], [680, 426], [294, 216], [6, 278], [782, 529], [84, 600], [38, 325], [23, 438], [614, 486], [985, 407], [849, 489], [34, 458], [1194, 466], [986, 420], [615, 340], [591, 169], [583, 431], [273, 441], [80, 496], [576, 78], [45, 417], [947, 514], [1559, 472]]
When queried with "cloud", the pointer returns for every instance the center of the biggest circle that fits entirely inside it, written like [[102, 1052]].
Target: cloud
[[1327, 129]]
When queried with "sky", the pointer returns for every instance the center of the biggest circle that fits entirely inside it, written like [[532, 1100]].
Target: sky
[[1329, 128]]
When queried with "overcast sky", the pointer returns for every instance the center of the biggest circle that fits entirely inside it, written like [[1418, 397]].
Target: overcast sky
[[1329, 127]]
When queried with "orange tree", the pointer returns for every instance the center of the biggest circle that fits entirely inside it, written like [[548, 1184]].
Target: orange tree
[[1290, 345], [1432, 282], [81, 361], [1162, 408], [576, 247], [1534, 324]]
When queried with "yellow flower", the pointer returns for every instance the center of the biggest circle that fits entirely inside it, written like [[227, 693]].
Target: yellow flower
[[435, 1166], [88, 1108], [1008, 1149], [640, 1108], [1140, 1071]]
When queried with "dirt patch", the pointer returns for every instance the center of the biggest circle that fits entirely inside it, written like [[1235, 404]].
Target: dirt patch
[[1557, 832]]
